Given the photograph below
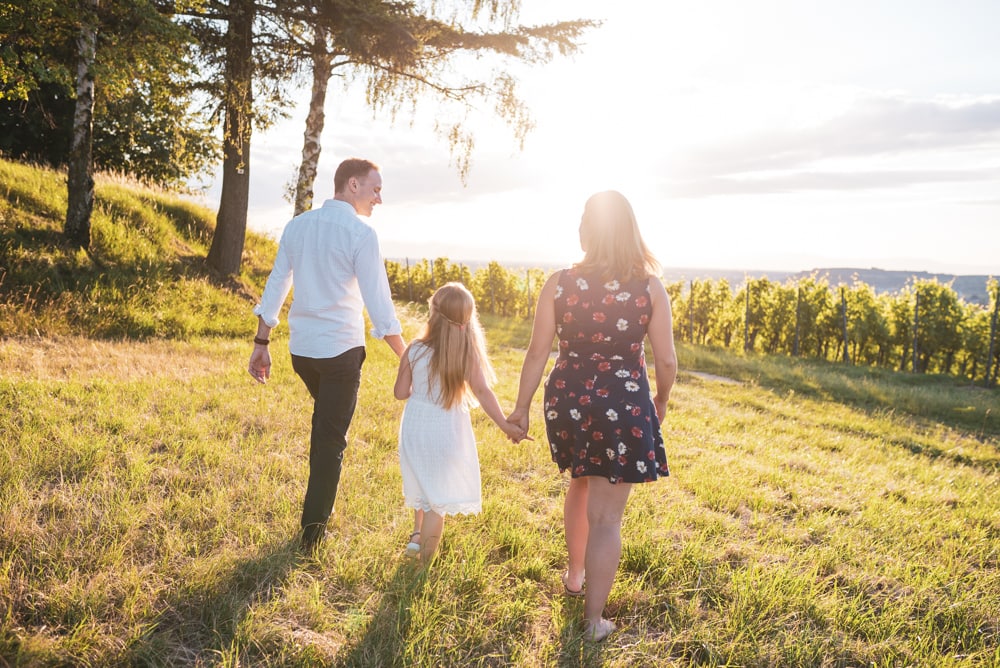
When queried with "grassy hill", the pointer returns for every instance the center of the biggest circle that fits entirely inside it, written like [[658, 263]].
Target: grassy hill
[[143, 277], [816, 515]]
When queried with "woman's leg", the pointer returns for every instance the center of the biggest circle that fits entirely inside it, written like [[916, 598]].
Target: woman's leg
[[575, 523], [605, 508], [431, 530]]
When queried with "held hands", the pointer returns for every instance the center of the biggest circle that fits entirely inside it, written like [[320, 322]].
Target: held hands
[[519, 420], [515, 432]]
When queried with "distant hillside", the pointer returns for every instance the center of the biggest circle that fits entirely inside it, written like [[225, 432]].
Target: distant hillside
[[971, 289]]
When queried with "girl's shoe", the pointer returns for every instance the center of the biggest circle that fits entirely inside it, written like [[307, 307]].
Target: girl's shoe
[[413, 547]]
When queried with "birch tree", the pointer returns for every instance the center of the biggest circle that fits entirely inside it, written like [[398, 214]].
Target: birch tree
[[405, 57], [254, 50], [80, 182], [99, 84]]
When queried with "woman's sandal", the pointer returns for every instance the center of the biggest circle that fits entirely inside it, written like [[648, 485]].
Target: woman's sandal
[[575, 593], [413, 547]]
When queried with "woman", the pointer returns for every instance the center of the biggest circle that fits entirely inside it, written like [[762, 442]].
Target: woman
[[602, 422]]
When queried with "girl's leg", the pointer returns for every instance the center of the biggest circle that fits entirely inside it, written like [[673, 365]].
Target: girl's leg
[[605, 507], [431, 530], [577, 530], [413, 547]]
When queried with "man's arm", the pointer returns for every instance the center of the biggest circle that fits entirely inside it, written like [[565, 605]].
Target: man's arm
[[260, 358], [395, 341], [374, 285], [279, 284]]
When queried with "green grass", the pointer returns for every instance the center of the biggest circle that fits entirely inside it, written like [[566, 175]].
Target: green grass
[[151, 495], [143, 277], [816, 515]]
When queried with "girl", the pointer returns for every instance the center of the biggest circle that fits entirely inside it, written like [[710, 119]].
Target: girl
[[437, 449]]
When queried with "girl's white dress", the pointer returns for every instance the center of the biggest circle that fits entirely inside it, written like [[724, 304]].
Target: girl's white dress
[[437, 449]]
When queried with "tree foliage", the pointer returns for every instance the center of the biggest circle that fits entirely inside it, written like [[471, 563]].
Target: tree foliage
[[953, 337], [400, 54], [805, 318], [148, 120]]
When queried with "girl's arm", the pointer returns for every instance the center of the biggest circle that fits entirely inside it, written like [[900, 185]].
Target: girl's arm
[[661, 339], [404, 376], [488, 400], [542, 332]]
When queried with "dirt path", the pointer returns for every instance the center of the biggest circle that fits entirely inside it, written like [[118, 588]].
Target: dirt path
[[711, 376]]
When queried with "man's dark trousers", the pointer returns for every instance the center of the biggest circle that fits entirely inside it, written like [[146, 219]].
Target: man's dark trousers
[[333, 383]]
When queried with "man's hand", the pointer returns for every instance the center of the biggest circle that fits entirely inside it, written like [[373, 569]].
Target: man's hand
[[260, 364]]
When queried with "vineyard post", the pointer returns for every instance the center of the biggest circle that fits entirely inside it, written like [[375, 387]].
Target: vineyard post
[[527, 293], [916, 321], [409, 279], [746, 319], [990, 364], [843, 319], [691, 312], [798, 312]]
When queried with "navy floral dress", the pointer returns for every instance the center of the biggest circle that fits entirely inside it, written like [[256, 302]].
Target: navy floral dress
[[599, 414]]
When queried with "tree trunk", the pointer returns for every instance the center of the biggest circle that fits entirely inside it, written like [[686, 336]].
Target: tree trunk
[[80, 177], [322, 69], [226, 253]]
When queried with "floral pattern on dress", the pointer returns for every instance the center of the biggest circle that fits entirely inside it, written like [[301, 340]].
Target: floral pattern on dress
[[599, 413]]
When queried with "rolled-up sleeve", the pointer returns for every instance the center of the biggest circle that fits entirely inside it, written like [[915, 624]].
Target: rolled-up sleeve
[[278, 285], [374, 285]]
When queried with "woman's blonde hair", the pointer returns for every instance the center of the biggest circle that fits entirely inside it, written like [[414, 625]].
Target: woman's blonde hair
[[456, 339], [611, 240]]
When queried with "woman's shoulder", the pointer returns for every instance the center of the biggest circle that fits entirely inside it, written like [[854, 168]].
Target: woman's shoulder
[[557, 277]]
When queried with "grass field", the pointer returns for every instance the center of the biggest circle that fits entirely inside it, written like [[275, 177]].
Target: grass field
[[151, 492], [816, 514]]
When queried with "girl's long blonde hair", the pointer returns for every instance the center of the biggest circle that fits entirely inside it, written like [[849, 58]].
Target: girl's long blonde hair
[[456, 339], [611, 241]]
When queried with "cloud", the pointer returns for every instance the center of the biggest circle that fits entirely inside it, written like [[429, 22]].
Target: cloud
[[874, 129], [818, 180]]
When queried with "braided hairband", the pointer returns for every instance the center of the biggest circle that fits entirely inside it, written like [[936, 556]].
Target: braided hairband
[[460, 325]]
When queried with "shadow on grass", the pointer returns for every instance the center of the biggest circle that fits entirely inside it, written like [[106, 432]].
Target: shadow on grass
[[386, 637], [201, 623], [43, 277], [574, 650], [926, 400]]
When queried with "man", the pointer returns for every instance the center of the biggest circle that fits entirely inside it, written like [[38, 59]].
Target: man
[[337, 266]]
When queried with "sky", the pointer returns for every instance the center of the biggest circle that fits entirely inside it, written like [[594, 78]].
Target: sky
[[781, 135]]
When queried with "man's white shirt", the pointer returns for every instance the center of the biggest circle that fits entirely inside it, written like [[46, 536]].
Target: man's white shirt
[[336, 263]]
